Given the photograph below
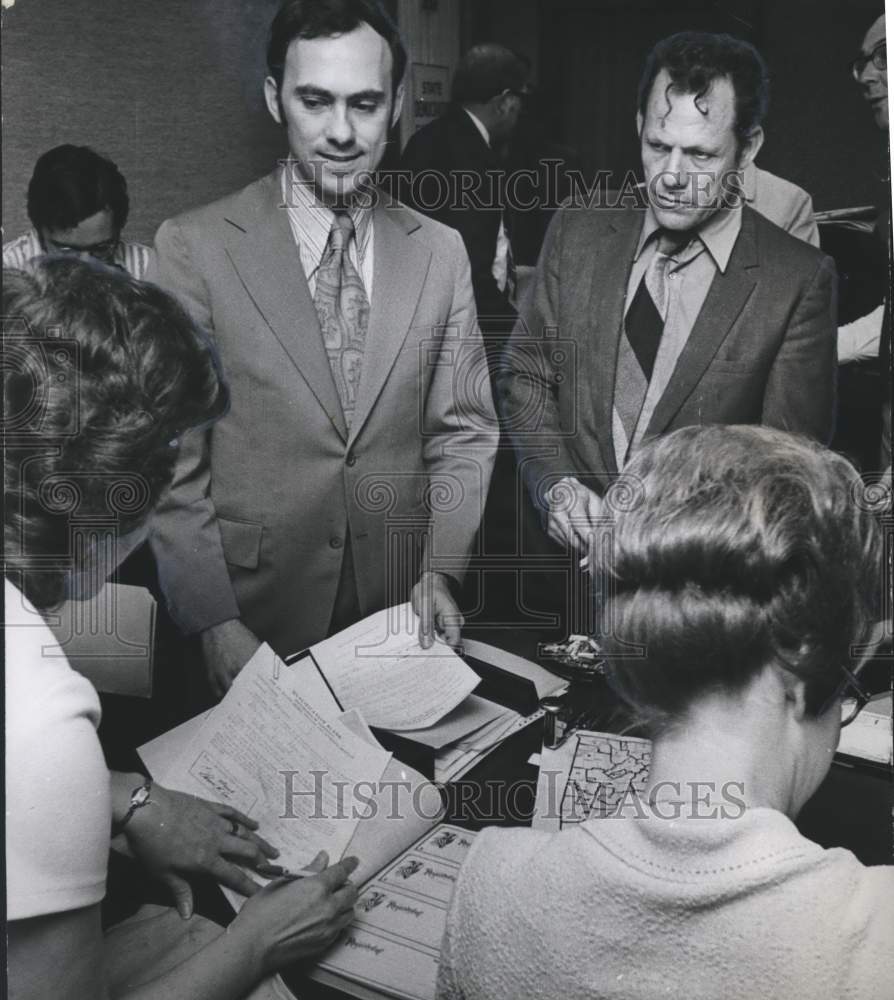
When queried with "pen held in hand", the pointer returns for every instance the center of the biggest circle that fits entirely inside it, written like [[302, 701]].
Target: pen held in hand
[[283, 874]]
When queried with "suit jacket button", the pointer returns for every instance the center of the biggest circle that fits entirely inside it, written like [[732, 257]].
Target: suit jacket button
[[336, 543], [351, 460]]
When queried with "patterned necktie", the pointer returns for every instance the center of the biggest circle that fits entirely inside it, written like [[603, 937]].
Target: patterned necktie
[[643, 327], [343, 309]]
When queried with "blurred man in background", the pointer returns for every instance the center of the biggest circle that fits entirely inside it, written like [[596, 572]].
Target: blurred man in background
[[870, 336], [488, 92], [78, 204]]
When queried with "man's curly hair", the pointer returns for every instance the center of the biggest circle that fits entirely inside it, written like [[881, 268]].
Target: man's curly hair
[[102, 375]]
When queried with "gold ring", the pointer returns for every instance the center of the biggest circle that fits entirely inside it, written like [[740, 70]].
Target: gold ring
[[234, 827]]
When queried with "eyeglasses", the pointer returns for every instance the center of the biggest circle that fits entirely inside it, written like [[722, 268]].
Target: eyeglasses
[[525, 94], [852, 704], [854, 693], [104, 251], [878, 57]]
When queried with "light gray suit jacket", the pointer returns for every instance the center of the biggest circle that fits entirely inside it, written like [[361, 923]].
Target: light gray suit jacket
[[782, 202], [255, 522]]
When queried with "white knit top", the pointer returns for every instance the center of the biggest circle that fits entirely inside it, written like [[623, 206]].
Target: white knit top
[[693, 909]]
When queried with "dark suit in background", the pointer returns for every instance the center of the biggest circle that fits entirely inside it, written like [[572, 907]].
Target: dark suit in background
[[453, 146]]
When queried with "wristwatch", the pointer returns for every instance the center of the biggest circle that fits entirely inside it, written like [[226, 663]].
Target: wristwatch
[[139, 797]]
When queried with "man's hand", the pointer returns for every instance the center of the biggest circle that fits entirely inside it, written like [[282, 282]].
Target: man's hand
[[571, 517], [175, 835], [226, 648], [438, 612]]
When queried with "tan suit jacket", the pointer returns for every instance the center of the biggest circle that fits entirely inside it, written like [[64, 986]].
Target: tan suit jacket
[[782, 202], [255, 523]]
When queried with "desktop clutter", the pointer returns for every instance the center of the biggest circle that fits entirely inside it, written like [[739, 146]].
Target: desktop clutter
[[345, 747]]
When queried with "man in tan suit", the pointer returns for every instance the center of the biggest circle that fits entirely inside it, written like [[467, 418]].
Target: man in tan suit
[[356, 456]]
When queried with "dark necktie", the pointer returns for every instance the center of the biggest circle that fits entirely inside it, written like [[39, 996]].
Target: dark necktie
[[343, 309], [643, 327]]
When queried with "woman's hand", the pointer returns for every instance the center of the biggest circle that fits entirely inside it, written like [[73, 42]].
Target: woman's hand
[[290, 920], [176, 835]]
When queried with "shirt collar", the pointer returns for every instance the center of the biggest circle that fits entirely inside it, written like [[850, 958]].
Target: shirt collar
[[749, 182], [718, 235], [312, 219], [479, 124]]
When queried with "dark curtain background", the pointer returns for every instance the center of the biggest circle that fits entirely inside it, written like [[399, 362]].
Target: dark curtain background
[[819, 132]]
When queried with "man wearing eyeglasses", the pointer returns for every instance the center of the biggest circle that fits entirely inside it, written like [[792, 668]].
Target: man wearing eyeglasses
[[870, 70], [869, 337], [78, 204]]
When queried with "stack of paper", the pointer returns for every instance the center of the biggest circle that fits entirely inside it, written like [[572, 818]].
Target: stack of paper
[[378, 667], [454, 761], [279, 749]]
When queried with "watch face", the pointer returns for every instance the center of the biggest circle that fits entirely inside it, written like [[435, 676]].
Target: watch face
[[140, 796]]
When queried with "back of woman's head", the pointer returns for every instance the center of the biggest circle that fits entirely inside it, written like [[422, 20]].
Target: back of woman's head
[[734, 548], [102, 375]]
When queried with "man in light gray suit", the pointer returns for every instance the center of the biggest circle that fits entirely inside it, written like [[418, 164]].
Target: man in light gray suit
[[689, 312], [352, 468]]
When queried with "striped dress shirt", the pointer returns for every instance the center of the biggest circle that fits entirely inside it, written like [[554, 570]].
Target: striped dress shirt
[[133, 257], [311, 223]]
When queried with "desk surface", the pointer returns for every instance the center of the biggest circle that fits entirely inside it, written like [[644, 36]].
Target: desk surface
[[851, 809]]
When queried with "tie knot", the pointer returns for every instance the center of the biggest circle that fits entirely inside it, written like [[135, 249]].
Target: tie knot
[[342, 231]]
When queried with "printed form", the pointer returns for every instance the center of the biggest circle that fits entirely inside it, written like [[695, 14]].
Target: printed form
[[378, 667], [276, 749]]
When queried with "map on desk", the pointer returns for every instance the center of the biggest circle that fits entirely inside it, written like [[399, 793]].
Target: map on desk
[[590, 776]]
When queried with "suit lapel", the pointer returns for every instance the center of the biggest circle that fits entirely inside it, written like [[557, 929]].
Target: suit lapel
[[264, 254], [606, 313], [472, 141], [726, 298], [400, 266]]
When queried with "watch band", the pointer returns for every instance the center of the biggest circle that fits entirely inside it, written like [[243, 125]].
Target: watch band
[[139, 797]]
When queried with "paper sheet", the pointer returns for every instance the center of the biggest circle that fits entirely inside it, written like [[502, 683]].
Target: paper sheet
[[465, 720], [160, 754], [588, 776], [275, 749], [491, 734], [869, 736], [394, 943], [453, 762], [110, 639], [402, 807], [545, 683], [378, 667]]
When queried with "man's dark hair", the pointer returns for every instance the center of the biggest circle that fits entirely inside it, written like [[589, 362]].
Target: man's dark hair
[[487, 70], [325, 18], [71, 183], [695, 59]]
